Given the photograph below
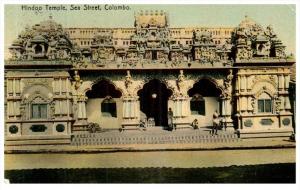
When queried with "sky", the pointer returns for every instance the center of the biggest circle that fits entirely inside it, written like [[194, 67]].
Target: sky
[[281, 17]]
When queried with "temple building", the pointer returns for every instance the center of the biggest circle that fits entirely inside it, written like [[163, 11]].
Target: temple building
[[61, 81]]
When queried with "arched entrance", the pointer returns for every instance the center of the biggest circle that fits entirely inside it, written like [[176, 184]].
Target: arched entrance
[[154, 101], [204, 101], [104, 105]]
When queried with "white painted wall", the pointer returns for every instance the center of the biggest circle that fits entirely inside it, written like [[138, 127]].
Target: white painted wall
[[211, 105], [93, 111]]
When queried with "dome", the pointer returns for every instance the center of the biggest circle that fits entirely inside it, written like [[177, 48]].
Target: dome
[[39, 38], [49, 25], [261, 38], [247, 22]]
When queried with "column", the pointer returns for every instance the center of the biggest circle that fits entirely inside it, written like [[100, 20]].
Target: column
[[81, 112], [130, 112], [181, 107], [181, 110], [226, 111], [243, 83], [250, 108], [287, 104], [287, 82], [281, 83]]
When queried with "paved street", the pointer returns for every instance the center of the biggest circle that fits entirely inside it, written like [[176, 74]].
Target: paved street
[[177, 159]]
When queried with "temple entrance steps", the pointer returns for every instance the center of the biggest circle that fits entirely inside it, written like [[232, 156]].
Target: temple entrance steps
[[37, 140], [271, 133], [152, 137]]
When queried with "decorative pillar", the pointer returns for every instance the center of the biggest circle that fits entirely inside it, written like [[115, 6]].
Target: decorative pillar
[[81, 111], [281, 83], [226, 99], [287, 79], [130, 112], [130, 108], [287, 104], [180, 107], [181, 102], [181, 111], [82, 107], [226, 111]]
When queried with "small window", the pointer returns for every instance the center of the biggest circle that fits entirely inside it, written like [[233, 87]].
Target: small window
[[109, 108], [39, 111], [197, 105], [264, 103], [38, 49], [264, 106]]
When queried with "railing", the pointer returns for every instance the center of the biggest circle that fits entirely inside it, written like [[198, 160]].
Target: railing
[[93, 139]]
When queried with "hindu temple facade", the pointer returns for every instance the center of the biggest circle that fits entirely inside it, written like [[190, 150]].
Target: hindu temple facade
[[60, 80]]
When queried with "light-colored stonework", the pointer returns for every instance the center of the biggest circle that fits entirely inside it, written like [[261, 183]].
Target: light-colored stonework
[[57, 79]]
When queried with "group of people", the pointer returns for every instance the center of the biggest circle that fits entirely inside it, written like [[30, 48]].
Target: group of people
[[194, 124]]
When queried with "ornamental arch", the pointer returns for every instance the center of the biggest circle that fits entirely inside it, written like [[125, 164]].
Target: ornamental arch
[[204, 97], [104, 104], [154, 100]]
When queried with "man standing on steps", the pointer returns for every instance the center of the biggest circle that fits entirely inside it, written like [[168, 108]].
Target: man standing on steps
[[170, 119], [215, 123]]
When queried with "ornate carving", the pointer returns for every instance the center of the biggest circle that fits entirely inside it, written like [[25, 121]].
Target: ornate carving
[[36, 98], [180, 81], [264, 78], [251, 40], [248, 123], [129, 84], [228, 85], [46, 40], [286, 121], [277, 103], [46, 82], [267, 121], [77, 81]]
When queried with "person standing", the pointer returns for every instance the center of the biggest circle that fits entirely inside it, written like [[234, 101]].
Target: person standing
[[215, 123], [170, 119]]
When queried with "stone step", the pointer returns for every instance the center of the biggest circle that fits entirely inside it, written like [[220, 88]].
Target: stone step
[[36, 137], [266, 134], [38, 142], [101, 139]]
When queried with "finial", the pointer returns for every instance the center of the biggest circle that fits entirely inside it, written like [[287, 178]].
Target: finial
[[128, 73]]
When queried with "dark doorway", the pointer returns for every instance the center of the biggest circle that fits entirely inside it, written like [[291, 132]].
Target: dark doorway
[[154, 101], [154, 55], [103, 89], [38, 49], [205, 87]]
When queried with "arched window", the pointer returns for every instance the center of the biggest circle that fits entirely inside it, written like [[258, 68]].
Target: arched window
[[260, 47], [38, 49], [38, 111], [264, 103], [197, 105], [108, 107]]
